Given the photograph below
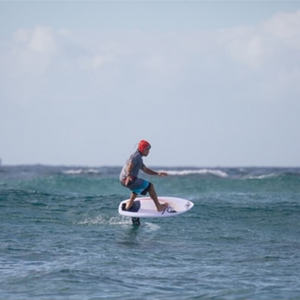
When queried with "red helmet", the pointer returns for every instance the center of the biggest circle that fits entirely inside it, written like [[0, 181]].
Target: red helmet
[[143, 145]]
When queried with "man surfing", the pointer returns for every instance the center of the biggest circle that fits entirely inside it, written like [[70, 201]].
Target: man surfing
[[129, 176]]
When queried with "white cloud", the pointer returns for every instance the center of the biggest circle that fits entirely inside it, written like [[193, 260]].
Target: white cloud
[[22, 35], [285, 26], [95, 62], [264, 47], [244, 45], [31, 51], [160, 64], [159, 58], [64, 32], [43, 41], [39, 40]]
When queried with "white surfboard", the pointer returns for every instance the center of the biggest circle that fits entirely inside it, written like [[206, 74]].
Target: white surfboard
[[144, 207]]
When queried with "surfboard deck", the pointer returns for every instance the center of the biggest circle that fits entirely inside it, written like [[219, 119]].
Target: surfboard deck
[[144, 207]]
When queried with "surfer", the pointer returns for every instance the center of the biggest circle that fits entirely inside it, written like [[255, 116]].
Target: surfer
[[129, 176]]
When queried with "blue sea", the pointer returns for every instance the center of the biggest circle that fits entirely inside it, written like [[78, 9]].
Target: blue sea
[[61, 236]]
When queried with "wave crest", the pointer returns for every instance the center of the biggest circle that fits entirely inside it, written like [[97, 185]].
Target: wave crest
[[80, 171], [217, 173]]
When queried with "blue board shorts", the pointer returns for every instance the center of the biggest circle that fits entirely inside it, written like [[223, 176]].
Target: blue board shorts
[[143, 188], [139, 186]]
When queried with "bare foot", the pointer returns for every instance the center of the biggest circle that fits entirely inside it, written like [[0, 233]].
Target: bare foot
[[128, 206], [161, 207]]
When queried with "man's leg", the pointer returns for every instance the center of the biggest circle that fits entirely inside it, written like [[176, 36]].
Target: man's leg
[[130, 202], [152, 193]]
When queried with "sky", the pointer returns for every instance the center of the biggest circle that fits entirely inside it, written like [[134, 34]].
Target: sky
[[207, 83]]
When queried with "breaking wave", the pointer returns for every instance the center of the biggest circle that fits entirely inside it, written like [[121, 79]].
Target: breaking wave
[[217, 173], [81, 171]]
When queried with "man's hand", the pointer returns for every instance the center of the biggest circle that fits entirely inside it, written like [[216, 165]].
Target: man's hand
[[162, 173], [128, 180]]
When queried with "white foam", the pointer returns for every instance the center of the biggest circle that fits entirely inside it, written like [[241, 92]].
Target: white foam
[[104, 219], [213, 172], [101, 219], [266, 176], [119, 220], [81, 171], [152, 226]]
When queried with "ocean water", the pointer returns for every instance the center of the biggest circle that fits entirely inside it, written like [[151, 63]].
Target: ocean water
[[61, 236]]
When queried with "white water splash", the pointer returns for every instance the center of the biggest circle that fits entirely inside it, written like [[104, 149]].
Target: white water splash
[[266, 176], [213, 172], [104, 219], [151, 226], [80, 171]]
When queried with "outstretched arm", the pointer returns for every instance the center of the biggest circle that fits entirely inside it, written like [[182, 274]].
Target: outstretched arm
[[151, 172]]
